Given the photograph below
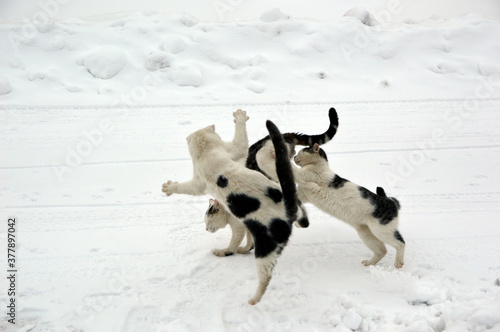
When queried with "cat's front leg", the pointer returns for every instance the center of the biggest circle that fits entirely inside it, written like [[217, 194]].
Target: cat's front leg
[[249, 246], [193, 187], [238, 233], [240, 142]]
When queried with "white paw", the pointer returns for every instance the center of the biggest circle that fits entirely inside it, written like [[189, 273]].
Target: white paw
[[222, 252], [366, 263], [243, 250], [240, 115], [169, 187], [399, 264], [253, 301]]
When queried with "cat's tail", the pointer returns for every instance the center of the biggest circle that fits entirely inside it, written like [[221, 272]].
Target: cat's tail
[[284, 170], [381, 192], [310, 140]]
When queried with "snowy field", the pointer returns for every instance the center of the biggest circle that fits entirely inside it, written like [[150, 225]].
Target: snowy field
[[102, 249], [94, 113]]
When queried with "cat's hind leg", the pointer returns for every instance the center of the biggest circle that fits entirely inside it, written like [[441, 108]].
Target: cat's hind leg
[[265, 267], [268, 245], [374, 244], [389, 234]]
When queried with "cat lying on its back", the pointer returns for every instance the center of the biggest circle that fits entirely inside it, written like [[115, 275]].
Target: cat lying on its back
[[261, 157], [265, 210], [374, 216]]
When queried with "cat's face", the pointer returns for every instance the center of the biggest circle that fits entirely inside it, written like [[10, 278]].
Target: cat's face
[[214, 217], [312, 155]]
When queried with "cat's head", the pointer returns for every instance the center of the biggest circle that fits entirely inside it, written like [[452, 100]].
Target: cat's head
[[311, 155], [216, 217], [202, 139]]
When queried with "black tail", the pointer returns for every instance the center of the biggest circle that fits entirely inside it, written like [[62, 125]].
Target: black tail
[[284, 170], [295, 139], [381, 192], [310, 140]]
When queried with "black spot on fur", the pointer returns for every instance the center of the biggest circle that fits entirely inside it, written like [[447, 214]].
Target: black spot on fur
[[337, 182], [280, 230], [398, 236], [241, 204], [222, 181], [274, 194], [263, 242], [385, 208]]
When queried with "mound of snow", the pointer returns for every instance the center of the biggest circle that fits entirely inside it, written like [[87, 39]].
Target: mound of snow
[[5, 86], [158, 60], [173, 44], [363, 15], [105, 62], [187, 75], [273, 15]]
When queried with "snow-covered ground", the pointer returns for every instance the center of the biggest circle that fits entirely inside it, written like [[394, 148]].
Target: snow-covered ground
[[102, 249], [147, 58], [94, 115]]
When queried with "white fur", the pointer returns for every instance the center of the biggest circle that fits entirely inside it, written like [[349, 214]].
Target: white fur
[[220, 219], [237, 150], [212, 157], [346, 204]]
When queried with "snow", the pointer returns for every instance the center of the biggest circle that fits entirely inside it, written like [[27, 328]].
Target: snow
[[276, 58], [94, 114], [104, 62]]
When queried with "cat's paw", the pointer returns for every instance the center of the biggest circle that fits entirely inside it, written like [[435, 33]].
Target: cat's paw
[[240, 115], [244, 250], [222, 252], [253, 301], [367, 263], [169, 187]]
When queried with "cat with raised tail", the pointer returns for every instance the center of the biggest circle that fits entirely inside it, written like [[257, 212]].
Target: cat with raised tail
[[265, 208], [373, 215], [261, 157]]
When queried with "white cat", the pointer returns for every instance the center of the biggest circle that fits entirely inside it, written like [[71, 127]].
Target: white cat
[[261, 157], [374, 216], [266, 210], [216, 218]]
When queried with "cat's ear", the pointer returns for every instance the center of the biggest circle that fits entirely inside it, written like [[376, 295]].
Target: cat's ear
[[214, 205], [316, 148]]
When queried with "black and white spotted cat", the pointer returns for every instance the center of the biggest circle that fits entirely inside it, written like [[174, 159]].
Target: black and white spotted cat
[[261, 158], [373, 215], [266, 210]]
